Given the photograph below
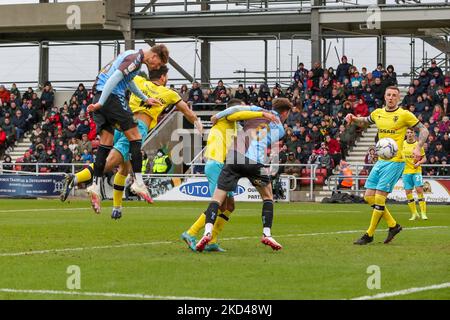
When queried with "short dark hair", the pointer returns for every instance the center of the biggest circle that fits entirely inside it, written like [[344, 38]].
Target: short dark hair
[[234, 102], [156, 74], [281, 104]]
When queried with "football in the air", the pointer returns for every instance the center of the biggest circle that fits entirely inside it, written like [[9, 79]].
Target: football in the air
[[386, 148]]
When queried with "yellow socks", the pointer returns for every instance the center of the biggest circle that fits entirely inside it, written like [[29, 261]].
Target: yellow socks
[[219, 225], [85, 175], [422, 203], [199, 224], [119, 187], [389, 218], [378, 212], [412, 205]]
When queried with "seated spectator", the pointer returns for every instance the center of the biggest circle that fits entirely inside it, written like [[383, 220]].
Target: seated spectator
[[20, 124], [290, 167], [7, 163], [5, 95], [29, 159], [85, 143], [86, 157], [80, 94], [71, 131], [83, 128], [437, 113], [370, 158], [301, 155], [334, 149], [378, 72], [10, 132], [28, 95], [2, 142], [217, 90], [208, 96], [242, 94], [443, 170], [361, 108], [446, 143], [439, 152], [325, 161], [195, 90]]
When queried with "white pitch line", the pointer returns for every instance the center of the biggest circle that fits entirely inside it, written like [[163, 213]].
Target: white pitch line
[[102, 294], [185, 208], [26, 253], [404, 292]]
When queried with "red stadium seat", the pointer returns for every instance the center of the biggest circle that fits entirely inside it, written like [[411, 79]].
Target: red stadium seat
[[320, 180]]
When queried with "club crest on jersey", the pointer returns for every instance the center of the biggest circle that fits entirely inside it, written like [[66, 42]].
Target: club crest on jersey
[[395, 119], [130, 68]]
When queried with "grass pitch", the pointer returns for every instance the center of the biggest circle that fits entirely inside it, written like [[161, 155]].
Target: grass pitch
[[142, 256]]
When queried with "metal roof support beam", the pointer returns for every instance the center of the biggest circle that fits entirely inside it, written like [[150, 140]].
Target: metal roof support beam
[[381, 50], [148, 6], [43, 63], [316, 33], [174, 64], [205, 66]]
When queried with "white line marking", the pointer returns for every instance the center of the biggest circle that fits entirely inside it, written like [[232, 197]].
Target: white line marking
[[25, 253], [300, 210], [102, 294], [404, 292]]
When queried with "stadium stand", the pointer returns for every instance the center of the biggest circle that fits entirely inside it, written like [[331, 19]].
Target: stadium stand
[[34, 129]]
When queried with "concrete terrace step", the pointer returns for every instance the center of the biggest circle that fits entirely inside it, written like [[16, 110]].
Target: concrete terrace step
[[367, 139], [358, 153], [365, 143], [351, 159]]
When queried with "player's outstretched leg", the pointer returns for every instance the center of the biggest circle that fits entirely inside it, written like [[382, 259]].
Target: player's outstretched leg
[[95, 196], [69, 184], [392, 232], [119, 187], [267, 219], [189, 235], [211, 214], [72, 180], [190, 240]]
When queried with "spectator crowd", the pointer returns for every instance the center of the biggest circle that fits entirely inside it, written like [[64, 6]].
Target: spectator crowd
[[316, 132], [58, 134]]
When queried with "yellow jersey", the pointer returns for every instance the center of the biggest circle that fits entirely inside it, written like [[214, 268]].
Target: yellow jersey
[[222, 133], [151, 90], [393, 124], [409, 157]]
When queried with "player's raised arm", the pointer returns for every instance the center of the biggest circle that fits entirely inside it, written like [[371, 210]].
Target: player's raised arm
[[229, 111], [247, 115], [360, 121], [110, 84], [135, 89], [190, 115]]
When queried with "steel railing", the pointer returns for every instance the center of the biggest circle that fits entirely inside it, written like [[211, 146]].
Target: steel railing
[[333, 180]]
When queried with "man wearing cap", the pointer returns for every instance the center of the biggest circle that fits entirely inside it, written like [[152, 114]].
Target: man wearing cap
[[434, 68]]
